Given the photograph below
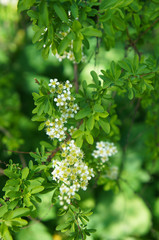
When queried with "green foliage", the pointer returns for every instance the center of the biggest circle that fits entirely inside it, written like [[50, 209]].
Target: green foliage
[[109, 105]]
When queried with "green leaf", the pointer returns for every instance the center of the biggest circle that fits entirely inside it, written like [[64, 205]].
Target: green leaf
[[77, 133], [63, 226], [79, 141], [89, 138], [74, 10], [41, 126], [98, 108], [61, 212], [77, 44], [6, 233], [32, 14], [37, 189], [19, 222], [38, 34], [137, 19], [3, 210], [63, 45], [25, 172], [60, 11], [105, 126], [46, 144], [90, 123], [77, 196], [107, 4], [91, 32], [83, 113], [38, 118], [118, 22], [25, 4], [130, 93], [44, 14], [10, 173], [123, 64], [76, 26], [19, 212], [95, 78]]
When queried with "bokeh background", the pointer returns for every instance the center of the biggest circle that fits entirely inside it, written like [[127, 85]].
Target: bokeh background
[[126, 212]]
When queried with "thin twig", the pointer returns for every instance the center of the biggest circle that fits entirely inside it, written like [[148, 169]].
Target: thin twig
[[132, 44], [53, 154], [143, 33], [36, 81], [22, 159], [1, 171], [20, 152], [5, 131]]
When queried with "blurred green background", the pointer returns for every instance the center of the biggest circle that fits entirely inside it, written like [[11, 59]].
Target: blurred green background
[[128, 212]]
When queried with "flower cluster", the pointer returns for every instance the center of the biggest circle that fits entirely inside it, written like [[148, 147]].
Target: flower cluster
[[56, 127], [104, 151], [71, 172]]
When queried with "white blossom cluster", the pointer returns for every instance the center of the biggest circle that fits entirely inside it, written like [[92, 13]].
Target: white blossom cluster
[[56, 127], [104, 150], [71, 172]]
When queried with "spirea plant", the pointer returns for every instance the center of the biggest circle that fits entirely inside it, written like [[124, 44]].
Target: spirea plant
[[80, 118]]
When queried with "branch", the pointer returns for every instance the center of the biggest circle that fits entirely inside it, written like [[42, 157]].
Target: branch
[[1, 171], [53, 154], [143, 33], [132, 44], [20, 152], [36, 81]]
